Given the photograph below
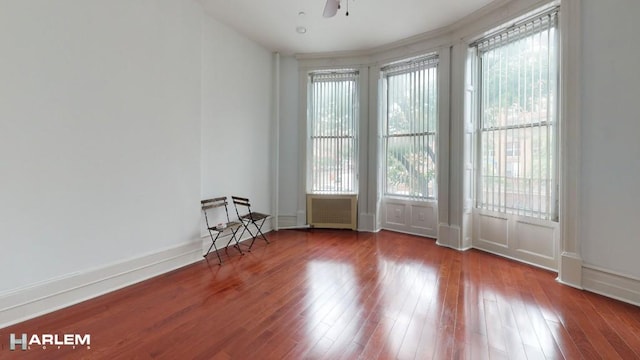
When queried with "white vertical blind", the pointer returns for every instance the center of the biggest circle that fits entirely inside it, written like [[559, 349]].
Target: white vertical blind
[[409, 128], [518, 97], [333, 113]]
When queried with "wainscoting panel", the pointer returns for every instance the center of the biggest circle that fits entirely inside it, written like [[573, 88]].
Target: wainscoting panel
[[423, 217], [493, 230], [395, 214], [528, 240], [410, 216]]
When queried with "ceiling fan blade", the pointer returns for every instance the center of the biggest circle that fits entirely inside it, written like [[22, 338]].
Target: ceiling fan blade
[[331, 8]]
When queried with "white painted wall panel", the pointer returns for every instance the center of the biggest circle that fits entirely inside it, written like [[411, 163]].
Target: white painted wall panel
[[288, 150], [609, 227], [99, 134], [237, 82]]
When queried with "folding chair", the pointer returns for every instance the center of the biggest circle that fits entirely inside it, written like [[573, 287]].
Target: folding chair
[[219, 229], [251, 217]]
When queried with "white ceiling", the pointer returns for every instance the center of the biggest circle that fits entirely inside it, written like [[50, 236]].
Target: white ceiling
[[371, 23]]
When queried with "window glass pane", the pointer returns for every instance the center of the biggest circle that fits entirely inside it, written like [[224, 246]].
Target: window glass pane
[[518, 104], [410, 171], [409, 129], [333, 117]]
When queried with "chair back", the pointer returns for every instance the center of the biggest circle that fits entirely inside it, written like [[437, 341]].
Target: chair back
[[214, 203], [241, 201]]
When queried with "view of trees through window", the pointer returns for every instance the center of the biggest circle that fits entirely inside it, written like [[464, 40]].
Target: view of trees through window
[[518, 80], [409, 128], [333, 111]]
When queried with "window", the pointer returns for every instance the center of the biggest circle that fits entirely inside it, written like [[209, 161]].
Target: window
[[517, 119], [513, 148], [333, 117], [410, 114]]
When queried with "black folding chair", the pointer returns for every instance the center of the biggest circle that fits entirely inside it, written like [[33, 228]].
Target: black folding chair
[[250, 218], [219, 229]]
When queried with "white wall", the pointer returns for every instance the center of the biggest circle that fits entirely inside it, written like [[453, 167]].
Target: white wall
[[610, 194], [237, 107], [289, 161], [99, 134]]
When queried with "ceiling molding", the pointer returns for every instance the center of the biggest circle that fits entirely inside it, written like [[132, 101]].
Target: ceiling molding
[[429, 37], [464, 30], [373, 26]]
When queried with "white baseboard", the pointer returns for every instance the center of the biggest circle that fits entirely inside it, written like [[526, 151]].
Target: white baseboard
[[287, 221], [46, 297], [570, 270], [611, 284], [502, 255], [407, 232]]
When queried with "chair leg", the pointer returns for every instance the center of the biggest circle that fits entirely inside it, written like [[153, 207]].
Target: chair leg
[[253, 237], [258, 233], [233, 237], [213, 245], [244, 228]]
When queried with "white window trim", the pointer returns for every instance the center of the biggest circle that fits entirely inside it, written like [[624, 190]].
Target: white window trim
[[308, 139], [393, 69]]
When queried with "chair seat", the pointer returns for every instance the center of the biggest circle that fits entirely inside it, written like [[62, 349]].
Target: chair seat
[[254, 216], [229, 225]]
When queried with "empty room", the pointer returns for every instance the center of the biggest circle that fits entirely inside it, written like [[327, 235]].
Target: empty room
[[319, 179]]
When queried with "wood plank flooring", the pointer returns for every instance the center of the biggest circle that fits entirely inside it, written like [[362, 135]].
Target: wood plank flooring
[[323, 294]]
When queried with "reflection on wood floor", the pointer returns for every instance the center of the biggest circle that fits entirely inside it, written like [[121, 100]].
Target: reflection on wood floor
[[325, 294]]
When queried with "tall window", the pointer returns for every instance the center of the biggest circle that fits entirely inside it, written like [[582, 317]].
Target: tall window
[[333, 114], [517, 119], [409, 128]]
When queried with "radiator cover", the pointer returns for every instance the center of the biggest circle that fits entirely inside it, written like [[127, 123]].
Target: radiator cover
[[332, 211]]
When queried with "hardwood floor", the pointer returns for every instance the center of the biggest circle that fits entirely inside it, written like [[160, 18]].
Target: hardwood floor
[[325, 294]]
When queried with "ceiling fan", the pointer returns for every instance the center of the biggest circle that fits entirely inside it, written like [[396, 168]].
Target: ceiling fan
[[331, 8]]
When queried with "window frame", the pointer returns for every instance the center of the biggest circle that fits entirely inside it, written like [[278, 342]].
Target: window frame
[[351, 135], [551, 125], [428, 132]]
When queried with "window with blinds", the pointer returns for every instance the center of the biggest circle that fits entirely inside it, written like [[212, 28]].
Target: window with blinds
[[410, 115], [333, 118], [517, 119]]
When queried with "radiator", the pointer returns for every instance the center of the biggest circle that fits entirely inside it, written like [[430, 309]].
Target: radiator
[[332, 211]]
